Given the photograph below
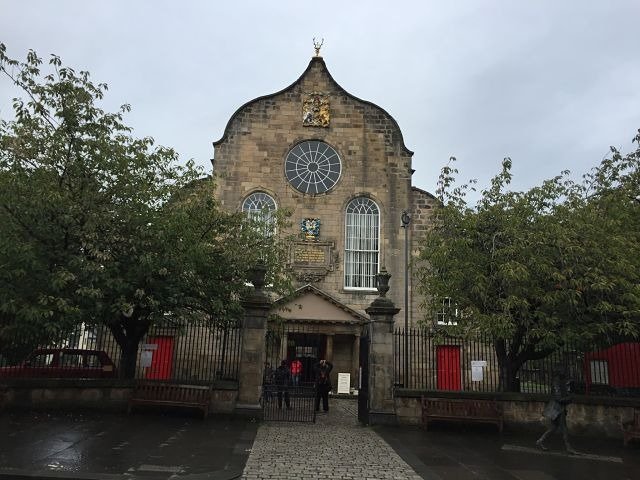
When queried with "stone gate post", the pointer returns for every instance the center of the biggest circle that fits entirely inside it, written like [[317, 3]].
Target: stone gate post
[[381, 312], [254, 329]]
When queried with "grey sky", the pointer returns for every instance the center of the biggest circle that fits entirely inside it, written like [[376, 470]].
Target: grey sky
[[549, 83]]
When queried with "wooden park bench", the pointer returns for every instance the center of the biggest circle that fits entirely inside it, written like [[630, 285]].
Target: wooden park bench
[[172, 395], [462, 410], [631, 429]]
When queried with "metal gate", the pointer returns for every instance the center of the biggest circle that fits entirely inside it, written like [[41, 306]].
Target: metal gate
[[295, 400], [289, 403], [363, 380]]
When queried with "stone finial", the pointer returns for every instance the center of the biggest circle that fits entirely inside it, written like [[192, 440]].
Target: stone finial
[[257, 275], [382, 281], [382, 305]]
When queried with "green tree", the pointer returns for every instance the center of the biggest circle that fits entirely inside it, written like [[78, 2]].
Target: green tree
[[102, 227], [558, 263]]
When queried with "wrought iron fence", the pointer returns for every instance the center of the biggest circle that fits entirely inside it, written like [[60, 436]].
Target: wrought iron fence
[[195, 352], [438, 362]]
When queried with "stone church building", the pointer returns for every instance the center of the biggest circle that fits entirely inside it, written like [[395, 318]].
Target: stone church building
[[341, 166]]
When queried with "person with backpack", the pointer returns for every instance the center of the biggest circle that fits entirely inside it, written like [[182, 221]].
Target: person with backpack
[[322, 369], [555, 412], [282, 377]]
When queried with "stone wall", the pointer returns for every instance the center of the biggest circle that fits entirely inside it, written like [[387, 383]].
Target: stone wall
[[90, 394], [586, 416]]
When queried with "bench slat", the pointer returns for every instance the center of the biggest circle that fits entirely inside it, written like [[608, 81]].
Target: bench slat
[[485, 411], [195, 396]]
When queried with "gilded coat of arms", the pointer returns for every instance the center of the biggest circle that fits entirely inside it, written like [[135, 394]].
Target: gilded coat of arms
[[310, 227], [315, 110]]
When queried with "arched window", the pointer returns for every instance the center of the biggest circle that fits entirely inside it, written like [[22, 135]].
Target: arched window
[[260, 206], [362, 246]]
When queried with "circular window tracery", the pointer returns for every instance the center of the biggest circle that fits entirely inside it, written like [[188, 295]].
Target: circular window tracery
[[312, 167]]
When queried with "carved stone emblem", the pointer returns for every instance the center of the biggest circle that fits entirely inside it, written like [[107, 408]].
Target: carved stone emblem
[[315, 110]]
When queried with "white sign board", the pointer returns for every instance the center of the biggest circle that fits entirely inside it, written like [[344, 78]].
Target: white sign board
[[477, 370], [145, 358], [344, 382]]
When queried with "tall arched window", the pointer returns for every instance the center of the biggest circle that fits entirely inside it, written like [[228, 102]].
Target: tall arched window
[[362, 246], [260, 206]]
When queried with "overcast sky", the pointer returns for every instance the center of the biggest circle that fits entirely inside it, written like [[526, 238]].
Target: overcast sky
[[549, 83]]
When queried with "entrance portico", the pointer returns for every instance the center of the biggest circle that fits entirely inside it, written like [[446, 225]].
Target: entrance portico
[[316, 326]]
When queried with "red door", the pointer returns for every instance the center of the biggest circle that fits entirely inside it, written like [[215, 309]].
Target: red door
[[448, 358], [162, 359]]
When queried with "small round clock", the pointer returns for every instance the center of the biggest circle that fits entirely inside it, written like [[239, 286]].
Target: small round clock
[[312, 167]]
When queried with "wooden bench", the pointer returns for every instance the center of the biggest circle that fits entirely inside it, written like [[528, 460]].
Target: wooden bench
[[172, 395], [631, 429], [462, 410]]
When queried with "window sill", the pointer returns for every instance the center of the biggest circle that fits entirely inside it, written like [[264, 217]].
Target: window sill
[[365, 291]]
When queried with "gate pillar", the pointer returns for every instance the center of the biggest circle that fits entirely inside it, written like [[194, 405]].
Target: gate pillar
[[254, 330], [381, 312]]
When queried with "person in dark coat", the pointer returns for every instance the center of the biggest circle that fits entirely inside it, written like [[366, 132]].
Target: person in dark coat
[[321, 370], [555, 412], [282, 377]]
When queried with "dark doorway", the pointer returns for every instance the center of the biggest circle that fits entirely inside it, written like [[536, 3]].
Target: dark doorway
[[309, 348]]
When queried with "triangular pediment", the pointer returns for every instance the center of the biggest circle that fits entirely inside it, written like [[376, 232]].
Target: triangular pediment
[[310, 304]]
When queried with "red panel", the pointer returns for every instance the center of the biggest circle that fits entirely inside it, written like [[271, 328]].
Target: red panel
[[449, 375], [162, 359], [621, 359]]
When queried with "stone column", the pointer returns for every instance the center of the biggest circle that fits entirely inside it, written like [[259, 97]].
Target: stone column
[[256, 309], [381, 311], [355, 361], [329, 351]]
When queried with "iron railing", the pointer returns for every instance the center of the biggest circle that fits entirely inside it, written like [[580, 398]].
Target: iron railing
[[195, 352], [440, 362]]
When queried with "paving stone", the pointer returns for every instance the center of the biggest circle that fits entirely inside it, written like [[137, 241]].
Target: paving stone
[[336, 446]]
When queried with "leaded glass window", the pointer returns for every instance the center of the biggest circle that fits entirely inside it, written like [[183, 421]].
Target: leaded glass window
[[448, 314], [362, 244], [259, 206]]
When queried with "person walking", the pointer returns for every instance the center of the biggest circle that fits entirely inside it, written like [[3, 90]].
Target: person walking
[[322, 369], [282, 377], [555, 412]]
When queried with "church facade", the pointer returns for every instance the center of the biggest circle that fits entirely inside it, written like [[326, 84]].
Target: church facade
[[340, 165]]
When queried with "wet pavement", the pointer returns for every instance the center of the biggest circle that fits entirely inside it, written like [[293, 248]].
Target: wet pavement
[[480, 452], [104, 446], [170, 446]]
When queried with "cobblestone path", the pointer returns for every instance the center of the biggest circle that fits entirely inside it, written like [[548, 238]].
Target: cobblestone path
[[335, 447]]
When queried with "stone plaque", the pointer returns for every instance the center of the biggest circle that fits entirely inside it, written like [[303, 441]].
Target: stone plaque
[[309, 254], [311, 262]]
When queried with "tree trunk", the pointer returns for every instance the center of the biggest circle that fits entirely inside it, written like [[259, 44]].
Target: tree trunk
[[509, 381], [511, 358], [128, 360], [225, 339], [509, 367], [128, 333]]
